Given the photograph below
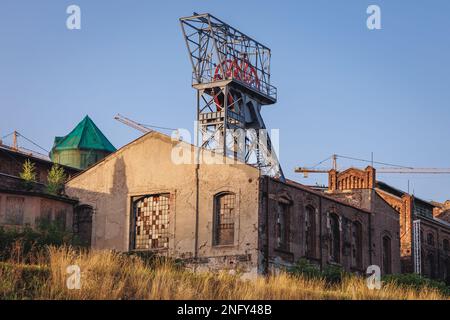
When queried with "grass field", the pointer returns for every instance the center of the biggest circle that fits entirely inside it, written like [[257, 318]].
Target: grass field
[[109, 275]]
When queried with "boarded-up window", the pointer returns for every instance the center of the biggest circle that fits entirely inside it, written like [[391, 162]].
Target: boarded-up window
[[151, 222], [224, 215], [14, 210], [60, 219], [46, 212]]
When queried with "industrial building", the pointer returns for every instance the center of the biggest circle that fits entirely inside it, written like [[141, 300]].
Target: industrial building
[[223, 217], [424, 236], [27, 204], [233, 210]]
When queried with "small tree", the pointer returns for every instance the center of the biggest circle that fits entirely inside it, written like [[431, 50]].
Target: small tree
[[55, 179], [28, 173]]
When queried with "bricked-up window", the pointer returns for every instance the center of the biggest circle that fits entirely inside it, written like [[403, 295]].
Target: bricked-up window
[[282, 225], [386, 256], [335, 238], [357, 244], [224, 215], [152, 222], [310, 234]]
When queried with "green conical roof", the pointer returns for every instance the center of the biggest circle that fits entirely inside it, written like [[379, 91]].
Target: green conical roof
[[86, 135]]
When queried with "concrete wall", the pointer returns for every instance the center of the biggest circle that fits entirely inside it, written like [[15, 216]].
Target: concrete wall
[[145, 167]]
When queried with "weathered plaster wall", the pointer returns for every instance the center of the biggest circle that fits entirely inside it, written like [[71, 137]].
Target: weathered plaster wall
[[145, 167]]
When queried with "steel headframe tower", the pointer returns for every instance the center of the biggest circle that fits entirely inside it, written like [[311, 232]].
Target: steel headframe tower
[[231, 73]]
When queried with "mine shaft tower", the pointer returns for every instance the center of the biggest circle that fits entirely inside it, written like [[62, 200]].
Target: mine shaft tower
[[231, 73]]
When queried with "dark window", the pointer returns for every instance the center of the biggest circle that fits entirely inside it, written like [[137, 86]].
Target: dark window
[[431, 265], [335, 238], [446, 245], [282, 226], [60, 219], [310, 232], [357, 244], [82, 224], [224, 211], [430, 239], [387, 260], [151, 222]]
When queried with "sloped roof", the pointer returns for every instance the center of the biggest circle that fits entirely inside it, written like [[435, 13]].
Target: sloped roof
[[86, 135]]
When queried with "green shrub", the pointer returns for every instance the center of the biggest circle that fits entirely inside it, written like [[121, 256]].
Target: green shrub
[[28, 174], [306, 269], [415, 281], [55, 179], [19, 281], [26, 244], [332, 274]]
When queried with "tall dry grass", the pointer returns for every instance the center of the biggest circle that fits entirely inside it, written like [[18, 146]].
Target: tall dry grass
[[109, 275]]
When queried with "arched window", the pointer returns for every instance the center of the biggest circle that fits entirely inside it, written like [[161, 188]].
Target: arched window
[[282, 224], [446, 246], [310, 232], [357, 244], [224, 215], [387, 255], [335, 238], [430, 239]]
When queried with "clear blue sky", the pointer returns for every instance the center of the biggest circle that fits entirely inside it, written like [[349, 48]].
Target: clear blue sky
[[342, 88]]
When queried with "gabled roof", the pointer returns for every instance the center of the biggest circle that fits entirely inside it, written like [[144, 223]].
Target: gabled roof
[[399, 193], [86, 135]]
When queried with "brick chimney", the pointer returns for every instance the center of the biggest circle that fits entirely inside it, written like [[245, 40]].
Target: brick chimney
[[332, 180], [371, 177]]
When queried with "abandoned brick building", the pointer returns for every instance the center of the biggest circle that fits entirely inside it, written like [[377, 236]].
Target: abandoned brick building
[[432, 244], [219, 216], [20, 205]]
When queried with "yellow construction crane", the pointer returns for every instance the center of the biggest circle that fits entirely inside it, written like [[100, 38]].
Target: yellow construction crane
[[391, 169], [133, 124]]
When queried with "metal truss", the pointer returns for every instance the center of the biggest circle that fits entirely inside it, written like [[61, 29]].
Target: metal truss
[[218, 51], [231, 73], [417, 247]]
